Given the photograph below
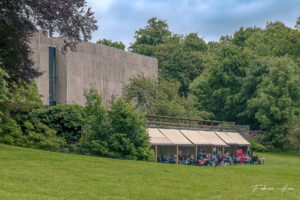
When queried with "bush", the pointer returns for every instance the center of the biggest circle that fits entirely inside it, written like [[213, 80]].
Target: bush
[[129, 138], [256, 146], [11, 133], [95, 137], [120, 133], [40, 136], [66, 120], [37, 136], [292, 140]]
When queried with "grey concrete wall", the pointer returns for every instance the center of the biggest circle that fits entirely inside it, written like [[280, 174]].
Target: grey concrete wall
[[105, 67], [40, 56]]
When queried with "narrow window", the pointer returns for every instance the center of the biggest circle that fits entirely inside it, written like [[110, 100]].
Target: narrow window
[[52, 76]]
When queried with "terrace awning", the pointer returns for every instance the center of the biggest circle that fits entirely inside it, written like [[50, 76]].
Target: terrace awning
[[238, 139], [213, 138], [196, 138], [176, 137], [226, 138], [157, 138]]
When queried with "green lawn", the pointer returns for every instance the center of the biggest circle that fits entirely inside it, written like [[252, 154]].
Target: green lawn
[[35, 174]]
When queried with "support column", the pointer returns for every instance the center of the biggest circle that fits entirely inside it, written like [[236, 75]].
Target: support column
[[195, 151], [156, 153], [176, 154]]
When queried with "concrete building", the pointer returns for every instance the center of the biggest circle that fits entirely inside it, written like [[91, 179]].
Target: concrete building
[[65, 76]]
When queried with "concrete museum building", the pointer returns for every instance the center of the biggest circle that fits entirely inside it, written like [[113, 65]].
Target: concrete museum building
[[66, 75]]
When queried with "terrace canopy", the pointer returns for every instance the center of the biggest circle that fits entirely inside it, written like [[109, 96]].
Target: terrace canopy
[[226, 138], [157, 138], [196, 138], [176, 137], [238, 139], [213, 138]]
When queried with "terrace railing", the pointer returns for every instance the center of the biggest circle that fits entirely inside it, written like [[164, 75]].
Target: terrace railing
[[166, 121]]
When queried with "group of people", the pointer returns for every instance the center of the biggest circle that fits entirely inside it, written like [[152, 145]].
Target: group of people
[[207, 159]]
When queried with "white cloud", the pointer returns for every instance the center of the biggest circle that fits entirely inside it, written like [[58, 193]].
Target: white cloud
[[119, 19]]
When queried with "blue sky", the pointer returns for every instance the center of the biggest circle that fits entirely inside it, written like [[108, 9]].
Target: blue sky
[[119, 19]]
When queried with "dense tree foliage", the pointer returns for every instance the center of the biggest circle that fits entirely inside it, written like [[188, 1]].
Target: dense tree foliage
[[19, 19], [277, 102], [118, 45], [251, 77], [180, 58], [161, 98], [156, 32]]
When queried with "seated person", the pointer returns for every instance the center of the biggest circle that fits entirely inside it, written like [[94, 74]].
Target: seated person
[[200, 154], [201, 162], [191, 160], [254, 159], [158, 159], [180, 157], [172, 160], [228, 160], [204, 154], [185, 160], [206, 162], [214, 157], [220, 159], [234, 159], [246, 159], [164, 159], [210, 157]]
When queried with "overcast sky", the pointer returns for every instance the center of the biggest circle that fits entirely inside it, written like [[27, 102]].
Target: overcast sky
[[119, 19]]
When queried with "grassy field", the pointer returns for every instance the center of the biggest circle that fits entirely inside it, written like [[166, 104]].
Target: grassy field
[[35, 174]]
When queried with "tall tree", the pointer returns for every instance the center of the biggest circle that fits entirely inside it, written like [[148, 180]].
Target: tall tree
[[278, 99], [217, 88], [155, 32], [19, 19]]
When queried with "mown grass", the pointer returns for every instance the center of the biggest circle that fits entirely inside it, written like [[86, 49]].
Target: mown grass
[[35, 174]]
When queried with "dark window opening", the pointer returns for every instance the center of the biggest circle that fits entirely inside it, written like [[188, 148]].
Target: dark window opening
[[52, 76]]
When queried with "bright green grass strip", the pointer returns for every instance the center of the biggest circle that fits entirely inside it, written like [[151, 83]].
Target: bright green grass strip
[[35, 174]]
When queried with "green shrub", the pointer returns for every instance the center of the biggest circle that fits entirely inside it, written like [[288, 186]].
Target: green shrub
[[292, 139], [129, 138], [256, 146], [11, 133], [66, 120], [40, 136], [96, 129]]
